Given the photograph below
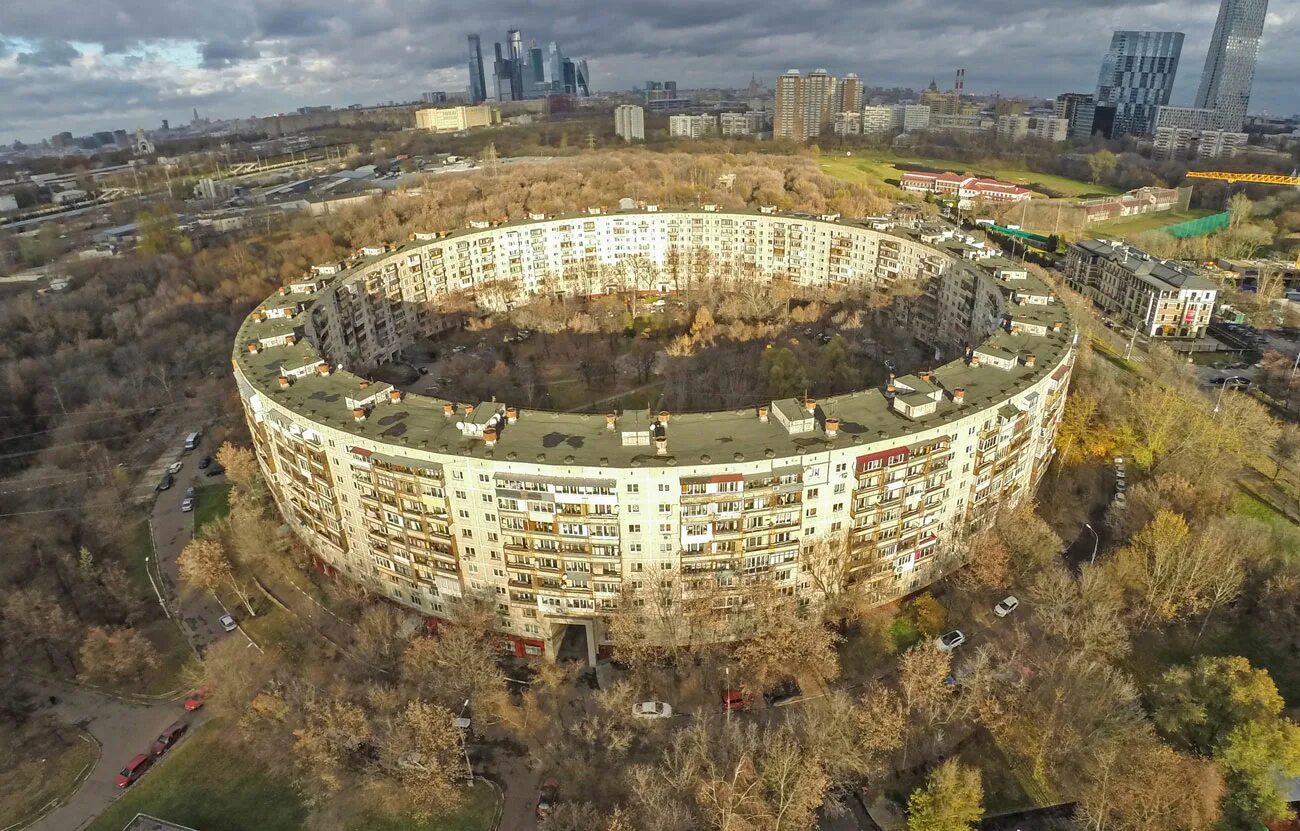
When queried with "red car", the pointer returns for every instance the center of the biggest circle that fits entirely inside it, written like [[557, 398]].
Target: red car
[[734, 700], [134, 769], [168, 738], [196, 699]]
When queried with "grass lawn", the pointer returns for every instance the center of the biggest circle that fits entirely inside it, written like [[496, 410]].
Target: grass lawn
[[42, 761], [213, 504], [176, 660], [880, 165], [1247, 504], [1131, 225], [1007, 785], [205, 783]]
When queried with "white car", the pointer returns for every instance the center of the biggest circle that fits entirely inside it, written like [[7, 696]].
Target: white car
[[175, 467], [228, 623], [950, 641], [1006, 606], [187, 504], [652, 709]]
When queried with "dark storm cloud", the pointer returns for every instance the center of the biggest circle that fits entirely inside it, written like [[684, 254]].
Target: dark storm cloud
[[270, 55], [50, 53], [221, 53]]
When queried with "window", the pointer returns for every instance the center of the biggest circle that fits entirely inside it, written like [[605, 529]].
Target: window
[[634, 529], [665, 508], [663, 487], [633, 488], [467, 532]]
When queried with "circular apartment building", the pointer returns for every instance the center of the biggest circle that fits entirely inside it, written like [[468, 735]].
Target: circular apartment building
[[555, 514]]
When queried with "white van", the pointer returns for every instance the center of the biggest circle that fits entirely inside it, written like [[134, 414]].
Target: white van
[[192, 440]]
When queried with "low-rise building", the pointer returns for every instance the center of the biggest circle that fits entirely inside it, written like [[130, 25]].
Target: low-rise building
[[455, 119], [847, 123], [1135, 202], [1159, 298], [692, 126], [1181, 142], [967, 189]]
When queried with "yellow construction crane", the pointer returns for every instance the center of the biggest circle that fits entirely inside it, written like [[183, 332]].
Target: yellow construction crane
[[1254, 178]]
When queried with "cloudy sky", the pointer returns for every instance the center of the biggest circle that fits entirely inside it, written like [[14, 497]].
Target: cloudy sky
[[85, 65]]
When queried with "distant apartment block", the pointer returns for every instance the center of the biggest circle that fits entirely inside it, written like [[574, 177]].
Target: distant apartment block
[[629, 122], [1159, 298], [847, 124], [1078, 109], [886, 117], [961, 123], [692, 126], [455, 119], [1181, 142], [805, 103], [742, 124], [1047, 128]]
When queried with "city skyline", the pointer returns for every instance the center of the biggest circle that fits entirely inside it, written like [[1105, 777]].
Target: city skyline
[[111, 67]]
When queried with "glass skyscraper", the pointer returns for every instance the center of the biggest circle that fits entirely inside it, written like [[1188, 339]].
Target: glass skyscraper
[[1230, 63], [477, 83], [1137, 77]]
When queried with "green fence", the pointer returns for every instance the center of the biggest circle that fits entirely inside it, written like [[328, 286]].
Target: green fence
[[1198, 227]]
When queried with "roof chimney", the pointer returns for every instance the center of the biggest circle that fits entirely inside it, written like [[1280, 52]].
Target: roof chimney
[[364, 384], [810, 404], [664, 415], [284, 381], [832, 427], [259, 315], [290, 339], [323, 369], [661, 445], [925, 376], [974, 359], [1056, 325], [959, 396], [359, 413], [448, 410], [394, 396], [254, 346], [490, 437], [610, 418], [469, 409], [282, 291], [512, 415], [288, 311], [762, 414], [1031, 359]]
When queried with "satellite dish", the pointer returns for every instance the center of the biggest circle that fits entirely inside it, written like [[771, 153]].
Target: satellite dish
[[460, 425]]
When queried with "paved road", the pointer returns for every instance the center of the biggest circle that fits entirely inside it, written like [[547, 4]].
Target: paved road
[[123, 730], [199, 611]]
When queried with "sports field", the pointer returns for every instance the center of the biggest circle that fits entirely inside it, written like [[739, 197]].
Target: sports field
[[879, 165]]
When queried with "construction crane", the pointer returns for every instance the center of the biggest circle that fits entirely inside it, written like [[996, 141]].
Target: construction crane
[[1255, 178]]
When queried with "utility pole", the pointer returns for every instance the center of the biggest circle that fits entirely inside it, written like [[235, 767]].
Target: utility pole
[[1128, 351]]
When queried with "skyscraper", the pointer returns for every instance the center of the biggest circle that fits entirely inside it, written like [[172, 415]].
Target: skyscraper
[[787, 122], [1137, 76], [537, 79], [519, 73], [1079, 109], [819, 90], [848, 94], [1230, 63], [477, 83]]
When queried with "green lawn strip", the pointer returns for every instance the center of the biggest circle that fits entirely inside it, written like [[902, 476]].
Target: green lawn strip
[[1130, 225], [1249, 504], [175, 658], [42, 762], [474, 815], [213, 503], [882, 165], [209, 784], [1008, 783]]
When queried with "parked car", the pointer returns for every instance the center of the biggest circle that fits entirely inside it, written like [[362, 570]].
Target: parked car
[[134, 769], [187, 504], [175, 467], [781, 692], [950, 641], [734, 700], [194, 700], [168, 738], [228, 623], [548, 798], [1006, 606], [652, 709], [192, 491], [166, 482], [204, 462]]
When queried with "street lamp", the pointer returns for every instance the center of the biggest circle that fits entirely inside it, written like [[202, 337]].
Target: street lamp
[[1096, 540], [464, 746]]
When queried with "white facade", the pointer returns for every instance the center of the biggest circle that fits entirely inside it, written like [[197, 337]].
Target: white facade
[[741, 124], [692, 126], [629, 122], [425, 500]]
